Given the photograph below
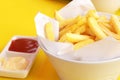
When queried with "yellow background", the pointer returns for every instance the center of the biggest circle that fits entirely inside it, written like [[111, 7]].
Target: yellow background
[[17, 18]]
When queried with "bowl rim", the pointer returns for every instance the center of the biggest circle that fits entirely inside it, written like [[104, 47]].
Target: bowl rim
[[82, 62]]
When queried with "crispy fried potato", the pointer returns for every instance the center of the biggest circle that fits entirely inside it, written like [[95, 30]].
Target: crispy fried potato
[[82, 21], [75, 37], [103, 19], [95, 28], [107, 25], [83, 30], [63, 38], [89, 32], [92, 13], [62, 21], [49, 31], [58, 17], [69, 22], [83, 43], [116, 23], [80, 29], [67, 29], [66, 23], [109, 33]]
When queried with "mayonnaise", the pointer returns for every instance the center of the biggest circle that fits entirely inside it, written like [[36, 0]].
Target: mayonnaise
[[15, 63]]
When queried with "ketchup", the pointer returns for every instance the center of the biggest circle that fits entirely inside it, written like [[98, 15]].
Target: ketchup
[[24, 45]]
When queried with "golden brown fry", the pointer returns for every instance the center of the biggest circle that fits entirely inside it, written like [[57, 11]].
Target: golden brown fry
[[92, 13], [58, 17], [103, 19], [82, 21], [95, 28], [80, 29], [69, 22], [109, 33], [83, 43], [96, 39], [75, 37], [84, 30], [74, 27], [63, 38], [115, 23], [89, 32], [62, 21], [107, 25], [66, 22], [49, 31], [68, 29]]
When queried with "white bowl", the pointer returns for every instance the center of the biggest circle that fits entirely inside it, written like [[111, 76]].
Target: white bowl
[[107, 5], [80, 70], [83, 70], [7, 54]]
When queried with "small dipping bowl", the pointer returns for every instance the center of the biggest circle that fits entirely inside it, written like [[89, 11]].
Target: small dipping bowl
[[23, 46]]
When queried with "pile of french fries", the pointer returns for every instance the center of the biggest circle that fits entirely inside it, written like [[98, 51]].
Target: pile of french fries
[[84, 30]]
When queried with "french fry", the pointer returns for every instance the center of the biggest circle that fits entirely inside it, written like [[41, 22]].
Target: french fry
[[103, 19], [66, 22], [83, 30], [49, 31], [69, 22], [80, 29], [107, 25], [75, 37], [68, 29], [96, 39], [116, 23], [58, 17], [89, 32], [74, 27], [92, 13], [109, 33], [83, 43], [95, 28], [63, 38], [82, 21], [62, 21]]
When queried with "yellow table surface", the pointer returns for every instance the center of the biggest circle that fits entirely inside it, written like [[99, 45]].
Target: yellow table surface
[[17, 18]]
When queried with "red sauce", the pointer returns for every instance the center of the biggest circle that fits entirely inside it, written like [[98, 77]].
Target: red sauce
[[24, 45]]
